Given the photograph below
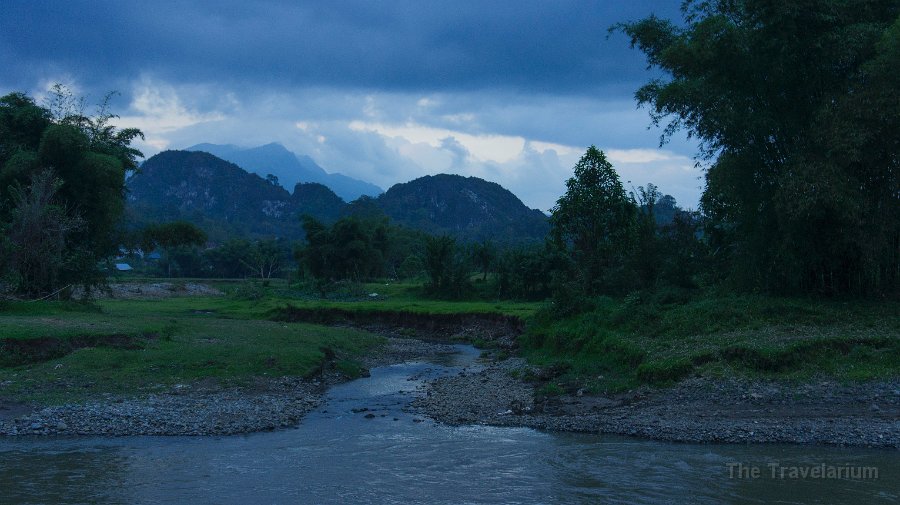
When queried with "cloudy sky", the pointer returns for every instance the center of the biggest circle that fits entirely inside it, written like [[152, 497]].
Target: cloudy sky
[[385, 91]]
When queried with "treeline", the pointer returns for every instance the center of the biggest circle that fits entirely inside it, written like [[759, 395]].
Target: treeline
[[797, 109]]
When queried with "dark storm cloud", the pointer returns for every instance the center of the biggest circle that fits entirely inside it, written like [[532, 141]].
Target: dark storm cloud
[[385, 91], [557, 47]]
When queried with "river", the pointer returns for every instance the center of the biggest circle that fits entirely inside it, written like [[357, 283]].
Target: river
[[385, 454]]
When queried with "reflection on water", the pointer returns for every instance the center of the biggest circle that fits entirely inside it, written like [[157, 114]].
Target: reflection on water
[[338, 456]]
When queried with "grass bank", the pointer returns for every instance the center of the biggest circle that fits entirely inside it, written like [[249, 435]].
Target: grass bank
[[51, 352], [661, 338], [59, 351]]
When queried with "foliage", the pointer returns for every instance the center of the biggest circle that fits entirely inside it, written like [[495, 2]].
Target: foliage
[[179, 241], [594, 221], [531, 273], [446, 267], [664, 336], [796, 106], [346, 250], [170, 235], [36, 241], [88, 156], [484, 256]]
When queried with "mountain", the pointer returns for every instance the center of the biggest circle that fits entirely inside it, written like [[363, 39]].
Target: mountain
[[222, 198], [227, 201], [466, 207], [290, 169], [317, 200]]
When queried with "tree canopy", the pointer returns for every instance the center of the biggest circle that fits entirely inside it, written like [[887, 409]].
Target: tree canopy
[[87, 160], [795, 104], [594, 219]]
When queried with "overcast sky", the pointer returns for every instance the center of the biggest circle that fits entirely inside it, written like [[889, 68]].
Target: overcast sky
[[385, 91]]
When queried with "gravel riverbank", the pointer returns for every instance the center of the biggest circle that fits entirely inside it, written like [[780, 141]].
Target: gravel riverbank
[[202, 408], [696, 410]]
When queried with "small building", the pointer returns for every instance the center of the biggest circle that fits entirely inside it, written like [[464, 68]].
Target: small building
[[123, 267]]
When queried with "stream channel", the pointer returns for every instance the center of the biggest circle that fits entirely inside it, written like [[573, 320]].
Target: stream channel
[[341, 453]]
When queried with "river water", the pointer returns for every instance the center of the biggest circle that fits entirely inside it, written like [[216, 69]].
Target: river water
[[338, 455]]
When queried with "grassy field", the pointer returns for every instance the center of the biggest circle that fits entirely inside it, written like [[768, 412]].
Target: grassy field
[[659, 339], [159, 343], [135, 346], [79, 350]]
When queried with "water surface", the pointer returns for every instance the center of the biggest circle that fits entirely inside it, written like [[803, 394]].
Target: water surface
[[339, 456]]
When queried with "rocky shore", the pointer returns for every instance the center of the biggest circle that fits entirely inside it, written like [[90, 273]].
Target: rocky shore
[[184, 410], [201, 408], [696, 410]]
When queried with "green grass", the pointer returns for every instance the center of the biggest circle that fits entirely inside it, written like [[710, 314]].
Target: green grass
[[402, 297], [655, 339], [229, 339], [179, 340], [618, 344]]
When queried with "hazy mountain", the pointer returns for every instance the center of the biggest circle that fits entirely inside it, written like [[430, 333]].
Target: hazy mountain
[[318, 201], [466, 207], [225, 200], [290, 169], [222, 198]]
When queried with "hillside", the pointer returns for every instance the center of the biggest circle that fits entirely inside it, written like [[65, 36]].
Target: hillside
[[290, 168], [221, 197], [225, 200], [467, 207]]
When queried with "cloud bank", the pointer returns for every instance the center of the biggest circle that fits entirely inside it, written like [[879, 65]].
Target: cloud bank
[[513, 92]]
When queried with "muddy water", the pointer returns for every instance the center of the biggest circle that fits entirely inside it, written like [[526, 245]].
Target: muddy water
[[339, 455]]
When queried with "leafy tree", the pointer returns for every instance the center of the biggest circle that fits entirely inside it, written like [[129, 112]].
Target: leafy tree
[[795, 105], [411, 268], [35, 245], [646, 258], [531, 273], [88, 156], [179, 240], [484, 255], [595, 222], [229, 260], [349, 250], [174, 234], [265, 259], [446, 269]]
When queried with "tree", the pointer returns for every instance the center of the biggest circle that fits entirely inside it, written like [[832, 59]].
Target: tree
[[484, 255], [348, 250], [36, 239], [174, 238], [594, 221], [447, 272], [646, 259], [89, 157], [265, 258], [795, 107]]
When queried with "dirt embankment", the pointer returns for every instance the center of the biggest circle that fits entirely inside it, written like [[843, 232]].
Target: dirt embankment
[[483, 329], [24, 351], [149, 291]]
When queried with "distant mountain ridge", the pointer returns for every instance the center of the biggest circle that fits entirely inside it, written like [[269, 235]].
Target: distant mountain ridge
[[290, 168], [222, 198], [225, 200], [467, 207]]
